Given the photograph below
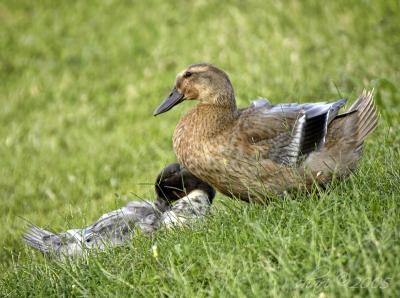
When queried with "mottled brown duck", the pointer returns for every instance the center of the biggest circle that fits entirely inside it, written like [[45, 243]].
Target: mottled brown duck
[[264, 149]]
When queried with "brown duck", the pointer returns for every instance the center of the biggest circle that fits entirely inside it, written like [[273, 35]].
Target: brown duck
[[264, 149]]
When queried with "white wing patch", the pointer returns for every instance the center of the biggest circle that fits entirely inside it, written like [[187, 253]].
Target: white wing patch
[[293, 149]]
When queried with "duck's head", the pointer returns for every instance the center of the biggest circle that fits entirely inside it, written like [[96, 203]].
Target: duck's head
[[174, 182], [204, 82]]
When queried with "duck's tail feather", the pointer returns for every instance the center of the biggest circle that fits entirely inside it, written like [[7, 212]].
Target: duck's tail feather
[[367, 116], [69, 243], [35, 236], [344, 140]]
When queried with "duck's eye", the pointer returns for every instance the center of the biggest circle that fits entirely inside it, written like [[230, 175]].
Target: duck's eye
[[187, 74]]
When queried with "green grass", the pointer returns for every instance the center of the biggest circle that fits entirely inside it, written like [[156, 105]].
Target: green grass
[[79, 82]]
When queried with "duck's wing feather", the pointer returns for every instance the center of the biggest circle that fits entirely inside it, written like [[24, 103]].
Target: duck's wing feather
[[115, 226], [288, 132]]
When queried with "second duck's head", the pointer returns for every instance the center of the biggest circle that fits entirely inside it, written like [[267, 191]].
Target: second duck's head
[[204, 82], [174, 182]]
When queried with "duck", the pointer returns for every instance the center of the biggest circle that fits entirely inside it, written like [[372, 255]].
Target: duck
[[264, 150], [181, 199]]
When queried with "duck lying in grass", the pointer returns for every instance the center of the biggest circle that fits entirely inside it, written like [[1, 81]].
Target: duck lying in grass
[[253, 152], [181, 198]]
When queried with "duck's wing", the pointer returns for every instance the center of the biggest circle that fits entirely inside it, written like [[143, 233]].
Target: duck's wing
[[118, 225], [288, 132]]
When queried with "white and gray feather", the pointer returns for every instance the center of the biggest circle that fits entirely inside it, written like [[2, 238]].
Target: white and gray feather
[[118, 226], [181, 198]]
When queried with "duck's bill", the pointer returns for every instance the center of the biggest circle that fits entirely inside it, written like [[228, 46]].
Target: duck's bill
[[172, 100]]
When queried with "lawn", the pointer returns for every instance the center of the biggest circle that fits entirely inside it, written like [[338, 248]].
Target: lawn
[[79, 83]]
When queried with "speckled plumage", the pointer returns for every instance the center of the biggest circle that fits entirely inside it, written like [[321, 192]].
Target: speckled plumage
[[250, 153]]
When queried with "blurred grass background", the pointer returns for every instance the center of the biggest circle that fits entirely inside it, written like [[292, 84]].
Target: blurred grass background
[[79, 83]]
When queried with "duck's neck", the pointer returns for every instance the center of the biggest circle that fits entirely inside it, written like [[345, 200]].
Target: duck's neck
[[213, 119], [224, 100], [200, 127]]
